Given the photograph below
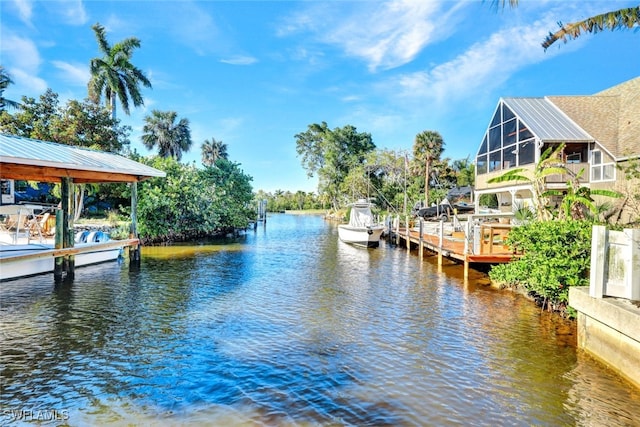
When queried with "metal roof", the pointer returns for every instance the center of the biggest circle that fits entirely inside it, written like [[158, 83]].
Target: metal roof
[[48, 161], [545, 120]]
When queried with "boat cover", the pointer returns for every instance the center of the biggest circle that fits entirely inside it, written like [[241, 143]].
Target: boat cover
[[361, 216]]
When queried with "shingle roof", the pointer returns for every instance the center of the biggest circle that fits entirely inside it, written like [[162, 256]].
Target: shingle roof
[[545, 120], [611, 116], [59, 160]]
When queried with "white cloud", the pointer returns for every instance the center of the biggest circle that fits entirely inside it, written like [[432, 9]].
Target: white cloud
[[390, 36], [385, 35], [25, 10], [194, 27], [482, 67], [35, 84], [21, 52], [239, 60], [76, 74], [73, 12]]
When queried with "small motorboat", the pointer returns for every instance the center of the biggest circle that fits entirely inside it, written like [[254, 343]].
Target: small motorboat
[[362, 230]]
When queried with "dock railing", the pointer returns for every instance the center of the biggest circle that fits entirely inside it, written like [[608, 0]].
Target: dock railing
[[482, 230], [480, 234]]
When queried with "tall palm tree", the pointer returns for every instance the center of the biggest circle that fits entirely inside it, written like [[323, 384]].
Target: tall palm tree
[[212, 151], [428, 147], [161, 131], [114, 76], [5, 81], [613, 20]]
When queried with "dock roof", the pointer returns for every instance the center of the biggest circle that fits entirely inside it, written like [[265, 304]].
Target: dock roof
[[34, 160]]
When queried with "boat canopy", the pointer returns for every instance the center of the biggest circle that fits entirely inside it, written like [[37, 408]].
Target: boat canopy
[[361, 215]]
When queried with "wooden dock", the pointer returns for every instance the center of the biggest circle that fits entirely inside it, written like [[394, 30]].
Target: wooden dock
[[472, 242]]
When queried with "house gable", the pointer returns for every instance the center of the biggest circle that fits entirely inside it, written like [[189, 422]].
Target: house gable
[[612, 117]]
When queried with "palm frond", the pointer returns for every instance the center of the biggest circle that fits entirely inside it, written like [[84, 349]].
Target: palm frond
[[615, 20]]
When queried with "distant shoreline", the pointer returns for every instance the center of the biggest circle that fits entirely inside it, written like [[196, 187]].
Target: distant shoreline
[[306, 212]]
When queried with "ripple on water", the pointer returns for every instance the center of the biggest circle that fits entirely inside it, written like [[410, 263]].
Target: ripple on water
[[288, 326]]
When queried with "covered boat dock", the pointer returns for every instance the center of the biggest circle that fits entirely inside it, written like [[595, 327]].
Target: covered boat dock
[[42, 161]]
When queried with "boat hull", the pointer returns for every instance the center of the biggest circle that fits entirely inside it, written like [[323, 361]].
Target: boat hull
[[368, 237], [28, 267]]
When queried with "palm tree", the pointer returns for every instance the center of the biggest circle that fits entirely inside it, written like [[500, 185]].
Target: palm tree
[[428, 146], [613, 20], [5, 81], [162, 132], [212, 151], [465, 172], [114, 76]]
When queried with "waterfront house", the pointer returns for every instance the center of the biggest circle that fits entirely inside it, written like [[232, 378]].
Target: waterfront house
[[601, 133]]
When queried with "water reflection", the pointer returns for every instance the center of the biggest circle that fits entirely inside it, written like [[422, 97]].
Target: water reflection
[[289, 326]]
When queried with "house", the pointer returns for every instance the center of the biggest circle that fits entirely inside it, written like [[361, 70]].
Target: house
[[601, 133]]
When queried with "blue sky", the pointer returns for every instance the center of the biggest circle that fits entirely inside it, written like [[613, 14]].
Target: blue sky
[[254, 74]]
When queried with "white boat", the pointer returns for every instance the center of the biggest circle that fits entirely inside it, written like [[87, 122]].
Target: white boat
[[20, 260], [362, 230]]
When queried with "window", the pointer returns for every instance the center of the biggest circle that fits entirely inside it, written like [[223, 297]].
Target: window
[[523, 132], [574, 158], [509, 133], [481, 164], [507, 114], [497, 117], [527, 152], [509, 157], [601, 171], [507, 143], [495, 161]]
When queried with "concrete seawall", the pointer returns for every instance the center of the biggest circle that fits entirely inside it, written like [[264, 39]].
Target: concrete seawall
[[609, 329]]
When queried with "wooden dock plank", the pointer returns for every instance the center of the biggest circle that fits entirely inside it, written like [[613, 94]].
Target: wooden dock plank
[[47, 253]]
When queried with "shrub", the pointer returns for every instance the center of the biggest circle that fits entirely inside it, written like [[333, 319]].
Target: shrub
[[556, 255]]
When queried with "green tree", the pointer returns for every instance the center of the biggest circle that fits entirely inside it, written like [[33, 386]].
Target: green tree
[[331, 154], [427, 148], [5, 81], [193, 203], [170, 137], [86, 124], [34, 118], [82, 124], [212, 151], [113, 75], [465, 172], [624, 18]]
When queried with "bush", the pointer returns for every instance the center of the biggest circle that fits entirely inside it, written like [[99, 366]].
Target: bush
[[556, 255]]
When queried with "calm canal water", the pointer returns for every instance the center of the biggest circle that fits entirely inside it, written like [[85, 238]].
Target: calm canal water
[[289, 326]]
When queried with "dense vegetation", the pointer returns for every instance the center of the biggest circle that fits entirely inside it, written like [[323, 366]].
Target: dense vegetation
[[555, 255], [191, 203]]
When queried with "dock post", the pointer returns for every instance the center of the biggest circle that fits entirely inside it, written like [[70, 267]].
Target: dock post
[[59, 261], [421, 238], [467, 236], [466, 267], [408, 233], [440, 238], [66, 190], [134, 251], [398, 230]]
